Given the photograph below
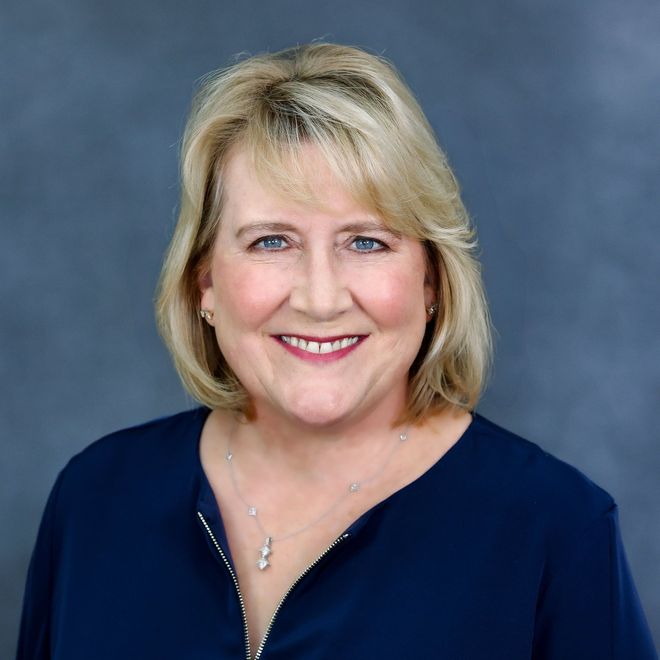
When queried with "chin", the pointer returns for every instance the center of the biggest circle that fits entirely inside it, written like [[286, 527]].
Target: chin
[[318, 418], [319, 413]]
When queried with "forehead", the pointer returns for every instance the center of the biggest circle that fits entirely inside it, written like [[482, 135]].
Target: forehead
[[314, 189]]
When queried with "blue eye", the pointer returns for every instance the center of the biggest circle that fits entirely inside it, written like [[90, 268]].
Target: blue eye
[[269, 243], [363, 244]]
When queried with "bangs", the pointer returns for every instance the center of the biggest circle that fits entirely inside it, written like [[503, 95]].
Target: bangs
[[350, 141]]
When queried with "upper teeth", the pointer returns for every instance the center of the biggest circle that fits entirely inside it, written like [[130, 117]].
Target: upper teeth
[[319, 347]]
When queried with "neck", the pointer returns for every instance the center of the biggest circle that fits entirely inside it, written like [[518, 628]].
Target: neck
[[273, 444]]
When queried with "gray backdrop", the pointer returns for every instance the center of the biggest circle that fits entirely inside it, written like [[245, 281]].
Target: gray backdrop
[[549, 111]]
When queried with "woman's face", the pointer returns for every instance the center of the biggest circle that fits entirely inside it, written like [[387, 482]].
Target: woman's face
[[319, 311]]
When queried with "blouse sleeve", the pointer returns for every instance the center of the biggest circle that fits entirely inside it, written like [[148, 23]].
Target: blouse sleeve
[[588, 606], [34, 635]]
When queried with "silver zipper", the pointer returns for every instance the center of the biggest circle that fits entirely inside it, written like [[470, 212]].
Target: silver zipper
[[260, 650], [248, 653], [335, 543]]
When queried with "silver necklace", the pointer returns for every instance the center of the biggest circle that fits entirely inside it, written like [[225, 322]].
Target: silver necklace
[[266, 550]]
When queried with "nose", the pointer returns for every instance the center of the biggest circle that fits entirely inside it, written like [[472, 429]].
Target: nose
[[320, 289]]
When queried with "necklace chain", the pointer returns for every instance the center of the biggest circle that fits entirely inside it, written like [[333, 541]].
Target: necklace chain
[[353, 487]]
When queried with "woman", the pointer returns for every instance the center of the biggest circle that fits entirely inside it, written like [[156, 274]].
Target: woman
[[336, 496]]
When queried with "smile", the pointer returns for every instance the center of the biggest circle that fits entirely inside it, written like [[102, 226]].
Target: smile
[[319, 348]]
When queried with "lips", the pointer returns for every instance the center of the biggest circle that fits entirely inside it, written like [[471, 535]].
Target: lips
[[318, 345]]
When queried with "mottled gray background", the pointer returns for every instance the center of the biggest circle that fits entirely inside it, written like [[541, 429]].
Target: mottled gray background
[[550, 112]]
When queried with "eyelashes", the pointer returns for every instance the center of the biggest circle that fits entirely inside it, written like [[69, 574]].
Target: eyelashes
[[269, 243], [367, 244], [279, 243]]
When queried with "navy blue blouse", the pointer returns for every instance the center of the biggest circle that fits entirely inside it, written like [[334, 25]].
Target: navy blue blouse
[[498, 552]]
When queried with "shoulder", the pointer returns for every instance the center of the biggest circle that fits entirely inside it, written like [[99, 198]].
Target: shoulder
[[135, 457], [152, 439], [533, 482]]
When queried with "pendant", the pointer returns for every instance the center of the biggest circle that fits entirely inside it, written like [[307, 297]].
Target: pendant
[[264, 552]]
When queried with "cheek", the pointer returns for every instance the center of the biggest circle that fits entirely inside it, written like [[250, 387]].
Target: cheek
[[397, 298], [247, 297]]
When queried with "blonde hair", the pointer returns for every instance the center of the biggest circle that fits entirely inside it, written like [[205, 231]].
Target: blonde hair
[[357, 111]]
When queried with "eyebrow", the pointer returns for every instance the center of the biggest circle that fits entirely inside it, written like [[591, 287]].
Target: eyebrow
[[264, 226], [353, 228]]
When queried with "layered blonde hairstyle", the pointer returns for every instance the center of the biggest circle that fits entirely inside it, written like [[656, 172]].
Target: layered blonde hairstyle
[[357, 111]]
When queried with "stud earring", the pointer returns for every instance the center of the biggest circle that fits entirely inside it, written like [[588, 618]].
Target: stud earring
[[432, 309], [206, 314]]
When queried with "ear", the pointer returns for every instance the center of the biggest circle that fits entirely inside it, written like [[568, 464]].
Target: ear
[[430, 298], [431, 278], [207, 294], [204, 281]]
